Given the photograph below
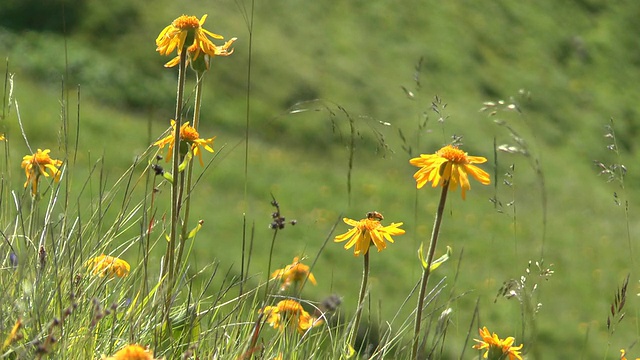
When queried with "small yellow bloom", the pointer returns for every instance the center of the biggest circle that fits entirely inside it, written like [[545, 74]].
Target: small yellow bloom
[[289, 313], [38, 164], [451, 166], [294, 273], [2, 137], [187, 32], [131, 352], [496, 347], [108, 265], [368, 230], [189, 134], [623, 355]]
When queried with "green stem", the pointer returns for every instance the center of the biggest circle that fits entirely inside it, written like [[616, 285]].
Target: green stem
[[426, 271], [168, 268], [363, 292], [187, 205]]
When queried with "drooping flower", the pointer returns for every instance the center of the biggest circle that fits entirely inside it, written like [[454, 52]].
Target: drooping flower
[[187, 32], [294, 273], [496, 348], [38, 164], [189, 134], [194, 54], [451, 166], [289, 313], [108, 265], [368, 230], [131, 352]]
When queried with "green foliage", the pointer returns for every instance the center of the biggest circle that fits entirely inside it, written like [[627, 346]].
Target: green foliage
[[317, 69]]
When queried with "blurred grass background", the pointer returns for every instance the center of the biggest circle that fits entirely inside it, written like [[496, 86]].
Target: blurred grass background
[[578, 60]]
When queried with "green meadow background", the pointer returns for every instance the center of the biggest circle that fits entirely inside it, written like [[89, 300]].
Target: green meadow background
[[408, 76]]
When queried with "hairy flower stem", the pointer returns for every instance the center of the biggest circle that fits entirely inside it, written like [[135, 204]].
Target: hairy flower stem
[[187, 201], [363, 292], [169, 263], [426, 271]]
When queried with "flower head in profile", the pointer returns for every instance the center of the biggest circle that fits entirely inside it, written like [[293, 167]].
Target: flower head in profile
[[108, 265], [623, 355], [449, 166], [368, 230], [294, 273], [186, 32], [38, 164], [289, 313], [188, 134], [131, 352], [496, 348]]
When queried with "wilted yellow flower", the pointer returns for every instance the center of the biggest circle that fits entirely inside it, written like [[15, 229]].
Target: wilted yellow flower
[[497, 349], [189, 134], [449, 165], [187, 32], [108, 265], [38, 164], [194, 53], [368, 230], [131, 352], [289, 313], [296, 272]]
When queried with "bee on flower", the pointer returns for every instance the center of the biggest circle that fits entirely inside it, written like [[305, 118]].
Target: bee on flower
[[367, 231]]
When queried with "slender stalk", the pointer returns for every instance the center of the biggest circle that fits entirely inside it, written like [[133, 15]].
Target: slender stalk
[[426, 271], [363, 292], [168, 268], [187, 187]]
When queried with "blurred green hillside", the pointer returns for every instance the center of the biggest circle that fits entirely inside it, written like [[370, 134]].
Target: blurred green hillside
[[316, 66]]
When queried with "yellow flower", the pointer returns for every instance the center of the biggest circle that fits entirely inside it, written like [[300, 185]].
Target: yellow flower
[[289, 313], [623, 355], [108, 265], [190, 135], [131, 352], [194, 52], [449, 165], [38, 164], [187, 32], [367, 230], [496, 347], [296, 272], [2, 137]]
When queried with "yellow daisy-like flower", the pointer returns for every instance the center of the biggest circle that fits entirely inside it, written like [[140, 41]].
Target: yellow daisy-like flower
[[497, 349], [38, 164], [368, 230], [289, 313], [451, 166], [189, 134], [131, 352], [187, 31], [108, 265], [294, 273], [194, 53]]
